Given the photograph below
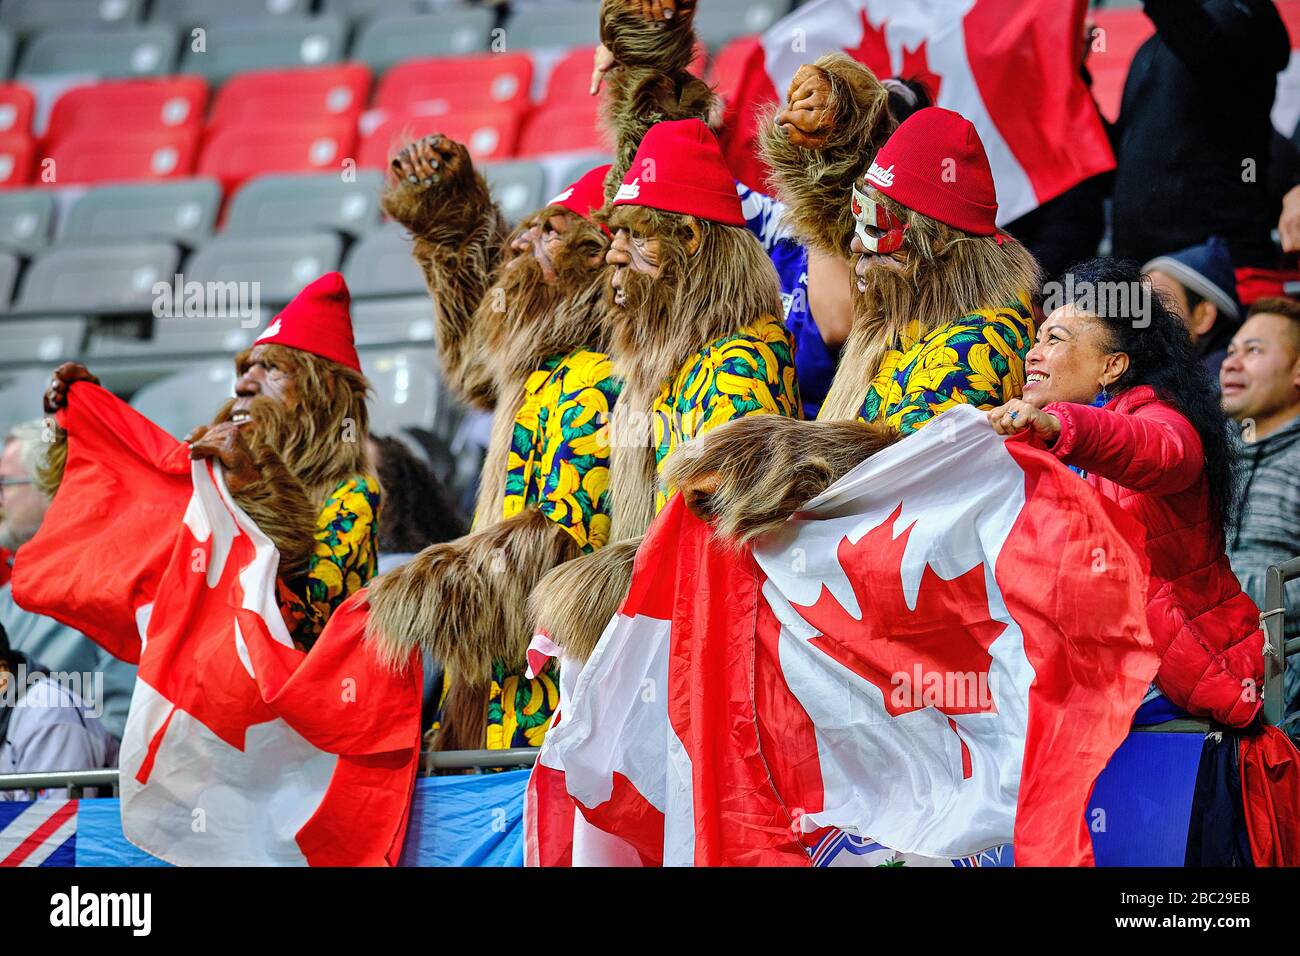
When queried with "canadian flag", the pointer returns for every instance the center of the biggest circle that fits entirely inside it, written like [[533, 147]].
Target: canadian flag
[[239, 749], [1011, 67], [940, 654]]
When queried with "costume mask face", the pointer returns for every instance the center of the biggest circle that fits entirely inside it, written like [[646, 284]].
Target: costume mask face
[[878, 229]]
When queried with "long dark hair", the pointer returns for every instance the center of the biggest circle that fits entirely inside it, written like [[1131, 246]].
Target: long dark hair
[[1143, 325], [416, 510]]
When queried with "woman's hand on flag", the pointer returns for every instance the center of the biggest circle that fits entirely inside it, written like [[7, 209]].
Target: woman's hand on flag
[[1017, 416]]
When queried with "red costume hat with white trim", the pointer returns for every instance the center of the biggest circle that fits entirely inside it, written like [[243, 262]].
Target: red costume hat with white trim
[[317, 321], [586, 195], [679, 168]]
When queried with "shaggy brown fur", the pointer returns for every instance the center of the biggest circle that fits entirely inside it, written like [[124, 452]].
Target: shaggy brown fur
[[816, 184], [727, 283], [750, 475], [946, 274], [650, 82], [575, 601], [465, 601], [460, 238]]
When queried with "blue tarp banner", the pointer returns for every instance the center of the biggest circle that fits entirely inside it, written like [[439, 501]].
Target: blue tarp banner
[[1138, 816]]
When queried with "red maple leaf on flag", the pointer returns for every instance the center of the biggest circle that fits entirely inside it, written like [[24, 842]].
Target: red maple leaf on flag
[[916, 66], [944, 641], [871, 50]]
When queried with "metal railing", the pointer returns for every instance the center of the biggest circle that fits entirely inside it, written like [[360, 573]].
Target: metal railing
[[1276, 647], [77, 782]]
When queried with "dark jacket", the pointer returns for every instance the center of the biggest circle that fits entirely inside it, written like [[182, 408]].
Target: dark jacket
[[1196, 105]]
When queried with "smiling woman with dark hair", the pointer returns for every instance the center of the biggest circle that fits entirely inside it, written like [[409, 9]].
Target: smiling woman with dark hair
[[1114, 389]]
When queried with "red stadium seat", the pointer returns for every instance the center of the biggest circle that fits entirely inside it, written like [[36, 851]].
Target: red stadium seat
[[444, 84], [561, 129], [87, 156], [311, 93], [16, 105], [1124, 32], [129, 106], [234, 153], [16, 152], [489, 134], [728, 67], [570, 78]]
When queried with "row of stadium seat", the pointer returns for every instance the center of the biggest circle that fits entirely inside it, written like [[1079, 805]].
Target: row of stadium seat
[[307, 119], [227, 46]]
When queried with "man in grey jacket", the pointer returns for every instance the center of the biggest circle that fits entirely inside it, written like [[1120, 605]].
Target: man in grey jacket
[[1260, 381], [107, 683]]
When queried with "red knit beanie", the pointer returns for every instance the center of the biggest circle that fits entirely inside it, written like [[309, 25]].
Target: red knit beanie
[[679, 168], [317, 321], [586, 195], [935, 164]]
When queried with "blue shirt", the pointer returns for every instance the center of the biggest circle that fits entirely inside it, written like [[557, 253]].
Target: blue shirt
[[814, 364]]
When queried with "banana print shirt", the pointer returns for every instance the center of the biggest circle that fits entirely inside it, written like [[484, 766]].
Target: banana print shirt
[[559, 453], [751, 372], [344, 561], [977, 360]]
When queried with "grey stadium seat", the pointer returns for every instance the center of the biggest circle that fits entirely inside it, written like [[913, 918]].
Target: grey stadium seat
[[119, 276], [233, 46], [181, 210], [8, 274], [391, 39], [188, 397], [718, 21], [188, 13], [295, 203], [406, 392], [573, 169], [7, 47], [381, 264], [25, 217], [386, 321], [356, 10], [20, 395], [517, 186], [125, 52], [28, 16], [556, 25], [280, 265], [47, 341]]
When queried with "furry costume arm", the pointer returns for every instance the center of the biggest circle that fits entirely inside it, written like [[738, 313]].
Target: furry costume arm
[[748, 476], [460, 237], [575, 601], [835, 119], [466, 601], [650, 81]]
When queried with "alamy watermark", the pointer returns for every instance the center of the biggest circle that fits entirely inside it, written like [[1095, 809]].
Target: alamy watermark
[[87, 686], [208, 300]]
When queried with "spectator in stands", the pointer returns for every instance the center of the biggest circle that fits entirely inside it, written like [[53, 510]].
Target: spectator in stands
[[1199, 283], [415, 511], [1194, 121], [1260, 381], [45, 725], [292, 443], [1114, 389], [43, 639]]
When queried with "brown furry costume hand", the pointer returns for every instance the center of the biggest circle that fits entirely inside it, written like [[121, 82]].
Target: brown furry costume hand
[[835, 118], [466, 601], [650, 81], [575, 601], [748, 476], [460, 236]]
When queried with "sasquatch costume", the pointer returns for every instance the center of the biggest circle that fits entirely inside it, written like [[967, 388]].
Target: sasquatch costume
[[528, 340], [943, 315], [697, 340], [308, 484]]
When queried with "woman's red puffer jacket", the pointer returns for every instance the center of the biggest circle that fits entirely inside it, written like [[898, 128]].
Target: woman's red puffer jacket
[[1145, 455]]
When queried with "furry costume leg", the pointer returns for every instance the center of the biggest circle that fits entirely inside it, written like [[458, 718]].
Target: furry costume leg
[[749, 476], [460, 237], [465, 601], [575, 601], [816, 183]]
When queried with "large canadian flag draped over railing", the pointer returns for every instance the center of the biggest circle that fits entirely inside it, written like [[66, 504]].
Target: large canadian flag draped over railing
[[941, 654], [239, 749], [1012, 67]]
